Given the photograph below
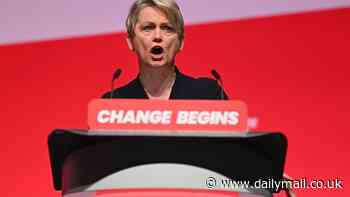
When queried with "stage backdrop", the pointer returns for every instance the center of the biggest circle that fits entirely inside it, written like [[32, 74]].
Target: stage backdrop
[[289, 61]]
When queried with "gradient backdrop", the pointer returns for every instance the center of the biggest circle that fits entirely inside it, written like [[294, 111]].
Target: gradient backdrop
[[288, 60]]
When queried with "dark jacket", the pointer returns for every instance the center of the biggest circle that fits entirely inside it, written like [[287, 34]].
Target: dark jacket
[[185, 87]]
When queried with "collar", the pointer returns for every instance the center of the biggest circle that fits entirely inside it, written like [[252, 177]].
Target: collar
[[174, 90]]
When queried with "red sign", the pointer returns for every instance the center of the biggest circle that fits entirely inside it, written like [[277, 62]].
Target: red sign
[[170, 115]]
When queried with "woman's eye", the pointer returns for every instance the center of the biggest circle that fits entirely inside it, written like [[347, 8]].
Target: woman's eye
[[168, 28], [147, 28]]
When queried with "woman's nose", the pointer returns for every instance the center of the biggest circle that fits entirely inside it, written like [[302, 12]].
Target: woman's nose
[[157, 37]]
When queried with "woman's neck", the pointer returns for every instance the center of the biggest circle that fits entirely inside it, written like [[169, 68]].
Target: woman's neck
[[158, 82]]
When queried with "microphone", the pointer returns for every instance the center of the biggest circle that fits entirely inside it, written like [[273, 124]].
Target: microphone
[[217, 76], [116, 75]]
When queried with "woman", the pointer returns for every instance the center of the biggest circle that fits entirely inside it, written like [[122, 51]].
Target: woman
[[156, 34]]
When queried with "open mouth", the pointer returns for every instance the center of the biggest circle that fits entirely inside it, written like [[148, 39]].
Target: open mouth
[[157, 50]]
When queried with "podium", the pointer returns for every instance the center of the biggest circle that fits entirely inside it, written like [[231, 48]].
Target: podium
[[85, 163], [142, 149]]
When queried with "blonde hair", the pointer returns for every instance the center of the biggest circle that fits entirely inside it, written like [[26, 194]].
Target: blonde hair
[[169, 7]]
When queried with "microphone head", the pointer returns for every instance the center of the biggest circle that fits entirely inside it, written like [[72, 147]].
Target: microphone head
[[215, 74], [117, 74]]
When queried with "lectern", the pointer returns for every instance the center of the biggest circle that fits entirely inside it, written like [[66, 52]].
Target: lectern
[[165, 163]]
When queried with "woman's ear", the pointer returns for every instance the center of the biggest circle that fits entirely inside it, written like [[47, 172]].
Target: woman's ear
[[130, 44]]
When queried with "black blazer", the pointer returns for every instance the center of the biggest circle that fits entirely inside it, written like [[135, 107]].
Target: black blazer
[[185, 87]]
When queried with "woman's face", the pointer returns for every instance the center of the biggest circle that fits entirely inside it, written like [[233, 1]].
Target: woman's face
[[155, 40]]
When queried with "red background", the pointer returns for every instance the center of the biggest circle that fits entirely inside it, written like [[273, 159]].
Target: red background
[[291, 71]]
